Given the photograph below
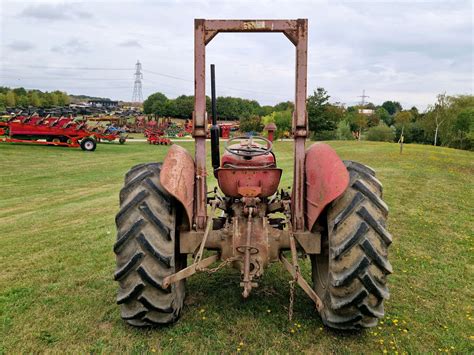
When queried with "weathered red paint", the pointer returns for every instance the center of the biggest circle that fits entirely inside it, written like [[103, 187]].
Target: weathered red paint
[[229, 160], [326, 179], [270, 128], [31, 129], [177, 177], [248, 181]]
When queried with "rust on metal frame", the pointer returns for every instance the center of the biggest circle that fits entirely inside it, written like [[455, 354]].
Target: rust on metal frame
[[297, 32], [177, 177]]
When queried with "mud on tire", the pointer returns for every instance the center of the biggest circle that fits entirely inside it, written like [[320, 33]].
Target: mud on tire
[[147, 250], [350, 275]]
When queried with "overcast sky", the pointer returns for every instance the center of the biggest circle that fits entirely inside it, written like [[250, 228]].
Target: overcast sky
[[407, 51]]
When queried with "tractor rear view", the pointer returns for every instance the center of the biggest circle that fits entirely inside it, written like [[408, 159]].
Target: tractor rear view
[[334, 212]]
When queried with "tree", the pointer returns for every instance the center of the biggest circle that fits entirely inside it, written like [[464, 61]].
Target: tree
[[284, 106], [439, 113], [34, 99], [392, 107], [384, 116], [62, 98], [415, 113], [19, 92], [283, 122], [344, 131], [455, 129], [10, 99], [380, 133], [402, 118], [251, 123], [322, 116], [184, 106], [167, 109], [50, 99], [359, 122], [2, 102], [373, 120], [154, 102], [463, 123], [265, 110], [21, 101]]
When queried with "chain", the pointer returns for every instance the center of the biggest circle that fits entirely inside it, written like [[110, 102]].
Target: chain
[[294, 259], [220, 266], [292, 299]]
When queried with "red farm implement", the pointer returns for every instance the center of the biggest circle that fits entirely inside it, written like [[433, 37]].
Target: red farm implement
[[156, 137], [155, 133], [109, 135], [57, 131]]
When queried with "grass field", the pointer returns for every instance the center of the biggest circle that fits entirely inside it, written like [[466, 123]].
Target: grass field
[[57, 210]]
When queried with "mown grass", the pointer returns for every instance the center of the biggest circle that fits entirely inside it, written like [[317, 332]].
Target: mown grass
[[57, 210]]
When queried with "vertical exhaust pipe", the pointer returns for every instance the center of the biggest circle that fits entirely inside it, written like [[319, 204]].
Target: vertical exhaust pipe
[[215, 154]]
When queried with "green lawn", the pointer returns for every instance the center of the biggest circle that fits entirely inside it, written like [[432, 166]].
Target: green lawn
[[57, 210]]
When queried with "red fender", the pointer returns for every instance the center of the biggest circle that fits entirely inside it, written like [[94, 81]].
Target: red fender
[[326, 179], [177, 177]]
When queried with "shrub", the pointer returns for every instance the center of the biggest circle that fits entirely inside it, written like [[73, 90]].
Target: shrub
[[252, 123], [381, 133], [324, 135], [343, 131]]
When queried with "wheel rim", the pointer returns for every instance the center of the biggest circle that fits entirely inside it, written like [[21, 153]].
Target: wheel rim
[[89, 145]]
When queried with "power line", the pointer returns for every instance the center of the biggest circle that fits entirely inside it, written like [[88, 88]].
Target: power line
[[123, 69], [168, 76], [69, 78], [145, 71], [72, 68], [223, 87]]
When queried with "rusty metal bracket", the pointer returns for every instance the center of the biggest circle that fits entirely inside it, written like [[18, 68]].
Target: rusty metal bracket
[[310, 242], [206, 233], [190, 270], [302, 282]]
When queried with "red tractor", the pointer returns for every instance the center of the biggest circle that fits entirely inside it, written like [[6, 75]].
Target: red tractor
[[334, 213]]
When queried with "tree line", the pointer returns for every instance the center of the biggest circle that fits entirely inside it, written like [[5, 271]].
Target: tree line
[[447, 122], [228, 108], [20, 97]]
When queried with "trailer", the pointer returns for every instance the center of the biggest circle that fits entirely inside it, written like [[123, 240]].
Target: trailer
[[56, 131]]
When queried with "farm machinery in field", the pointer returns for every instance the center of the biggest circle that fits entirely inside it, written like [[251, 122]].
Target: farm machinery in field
[[109, 134], [56, 131], [334, 213], [155, 133]]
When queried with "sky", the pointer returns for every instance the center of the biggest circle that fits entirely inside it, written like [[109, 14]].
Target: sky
[[406, 51]]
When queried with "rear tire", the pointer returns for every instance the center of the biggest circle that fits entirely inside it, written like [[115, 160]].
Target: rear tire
[[147, 250], [350, 274]]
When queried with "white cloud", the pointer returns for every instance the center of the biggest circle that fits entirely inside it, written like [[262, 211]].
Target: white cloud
[[130, 43], [51, 12], [21, 46]]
